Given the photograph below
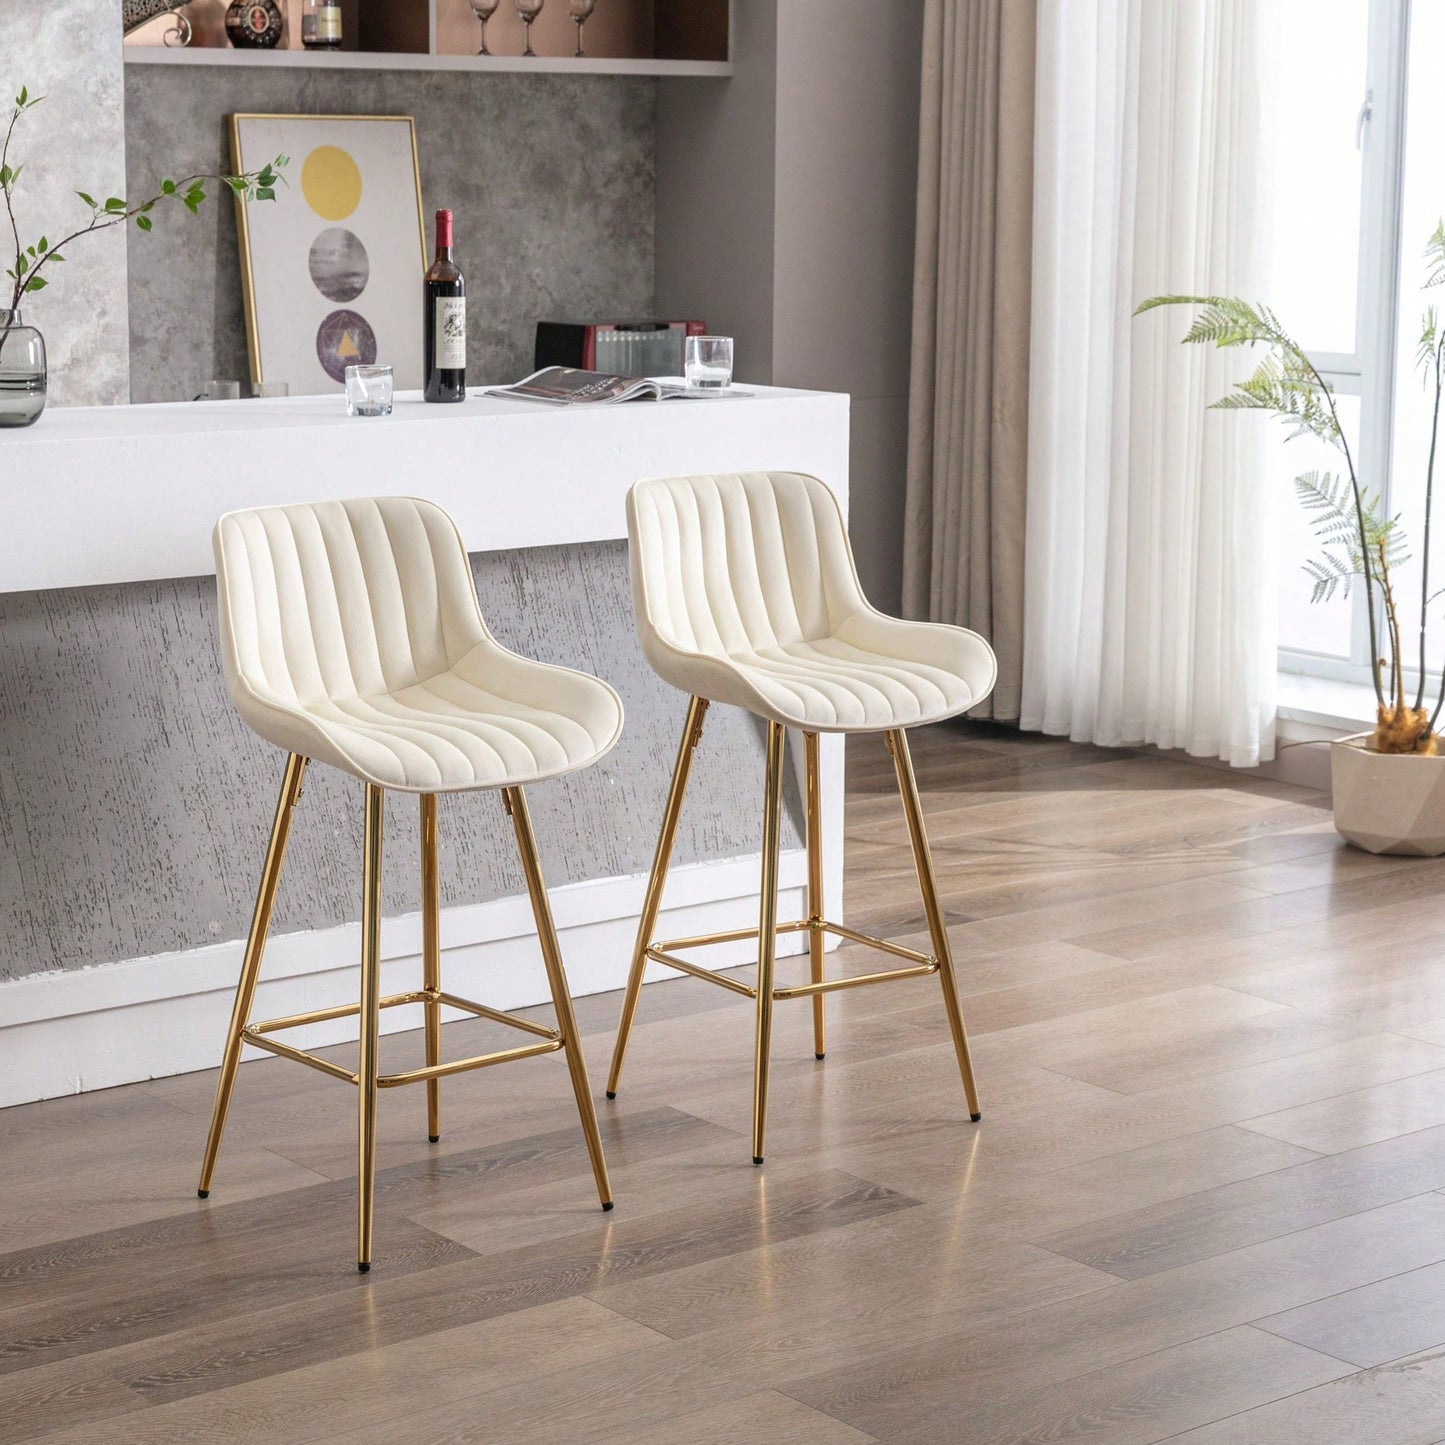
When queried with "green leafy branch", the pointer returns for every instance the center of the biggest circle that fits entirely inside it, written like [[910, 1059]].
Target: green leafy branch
[[1330, 501], [1287, 384], [1428, 360], [26, 274], [1358, 539]]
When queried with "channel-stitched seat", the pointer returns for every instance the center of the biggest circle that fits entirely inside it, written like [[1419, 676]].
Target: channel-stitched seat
[[745, 592], [351, 634]]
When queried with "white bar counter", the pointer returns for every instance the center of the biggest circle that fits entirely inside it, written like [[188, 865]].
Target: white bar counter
[[130, 493], [108, 495]]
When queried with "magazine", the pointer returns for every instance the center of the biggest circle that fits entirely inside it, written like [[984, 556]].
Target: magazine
[[567, 386]]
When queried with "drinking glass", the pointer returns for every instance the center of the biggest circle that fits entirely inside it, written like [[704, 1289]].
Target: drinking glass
[[368, 390], [264, 389], [581, 12], [484, 10], [221, 391], [708, 362], [529, 10]]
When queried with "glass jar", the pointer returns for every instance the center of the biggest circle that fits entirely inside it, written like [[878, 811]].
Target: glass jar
[[22, 371], [321, 24]]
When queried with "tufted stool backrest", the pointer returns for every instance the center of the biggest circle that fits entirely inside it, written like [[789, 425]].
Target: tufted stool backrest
[[735, 562], [337, 600]]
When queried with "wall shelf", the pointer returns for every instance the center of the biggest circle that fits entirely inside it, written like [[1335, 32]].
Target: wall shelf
[[379, 60], [628, 37]]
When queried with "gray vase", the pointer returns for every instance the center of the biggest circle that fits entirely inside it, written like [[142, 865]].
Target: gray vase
[[22, 371]]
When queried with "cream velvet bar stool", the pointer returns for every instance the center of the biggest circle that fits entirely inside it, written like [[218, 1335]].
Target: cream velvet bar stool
[[351, 635], [745, 592]]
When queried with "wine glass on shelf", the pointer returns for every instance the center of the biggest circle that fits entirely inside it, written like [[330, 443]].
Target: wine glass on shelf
[[484, 10], [529, 10], [581, 11]]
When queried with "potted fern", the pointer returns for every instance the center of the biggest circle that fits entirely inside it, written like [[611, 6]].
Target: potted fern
[[1389, 784]]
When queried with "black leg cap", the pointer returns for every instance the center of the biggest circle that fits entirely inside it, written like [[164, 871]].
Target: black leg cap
[[819, 1056], [203, 1194], [757, 1158], [975, 1117], [364, 1268], [611, 1093], [611, 1204], [434, 1138]]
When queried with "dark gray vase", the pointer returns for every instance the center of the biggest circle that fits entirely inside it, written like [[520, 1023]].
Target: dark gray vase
[[22, 371]]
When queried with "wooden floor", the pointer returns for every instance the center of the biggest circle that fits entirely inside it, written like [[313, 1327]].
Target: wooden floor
[[1206, 1202]]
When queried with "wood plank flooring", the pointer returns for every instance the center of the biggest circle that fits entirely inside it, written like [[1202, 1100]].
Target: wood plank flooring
[[1206, 1202]]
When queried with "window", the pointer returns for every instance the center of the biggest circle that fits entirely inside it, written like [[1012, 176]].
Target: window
[[1422, 205], [1358, 189]]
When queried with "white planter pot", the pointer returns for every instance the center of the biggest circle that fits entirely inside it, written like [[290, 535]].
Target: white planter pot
[[1388, 802]]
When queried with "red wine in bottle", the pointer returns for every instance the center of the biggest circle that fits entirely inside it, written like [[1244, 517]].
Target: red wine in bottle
[[444, 321]]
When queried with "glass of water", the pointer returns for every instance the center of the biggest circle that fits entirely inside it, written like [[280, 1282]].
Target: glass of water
[[368, 390], [708, 363]]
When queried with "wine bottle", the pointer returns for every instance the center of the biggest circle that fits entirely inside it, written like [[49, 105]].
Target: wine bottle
[[444, 321], [321, 24]]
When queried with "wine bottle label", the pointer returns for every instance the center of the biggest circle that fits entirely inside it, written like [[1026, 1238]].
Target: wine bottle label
[[451, 333], [328, 22]]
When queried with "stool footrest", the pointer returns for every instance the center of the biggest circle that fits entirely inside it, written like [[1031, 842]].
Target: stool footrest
[[257, 1035], [496, 1015], [832, 985], [462, 1066], [735, 935], [275, 1046], [923, 964], [669, 960]]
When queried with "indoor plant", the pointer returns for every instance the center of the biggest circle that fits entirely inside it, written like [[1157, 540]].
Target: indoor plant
[[23, 378], [1389, 784]]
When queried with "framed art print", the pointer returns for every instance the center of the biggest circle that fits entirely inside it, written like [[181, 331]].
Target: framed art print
[[331, 269]]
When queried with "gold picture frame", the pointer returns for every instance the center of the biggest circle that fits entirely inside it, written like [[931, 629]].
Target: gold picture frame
[[272, 287]]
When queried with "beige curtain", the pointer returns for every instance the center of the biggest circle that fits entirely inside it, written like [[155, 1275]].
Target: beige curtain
[[968, 410]]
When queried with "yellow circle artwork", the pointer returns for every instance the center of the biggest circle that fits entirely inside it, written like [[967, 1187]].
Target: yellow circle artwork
[[331, 183]]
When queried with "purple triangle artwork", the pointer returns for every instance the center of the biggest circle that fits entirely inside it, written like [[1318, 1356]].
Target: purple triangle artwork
[[344, 339]]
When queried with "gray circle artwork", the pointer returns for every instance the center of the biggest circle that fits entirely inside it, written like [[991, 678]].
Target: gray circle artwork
[[339, 264]]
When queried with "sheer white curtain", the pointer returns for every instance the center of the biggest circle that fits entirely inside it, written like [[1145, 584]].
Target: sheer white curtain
[[1150, 613]]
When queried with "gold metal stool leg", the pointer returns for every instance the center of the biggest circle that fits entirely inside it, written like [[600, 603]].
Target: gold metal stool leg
[[652, 901], [370, 1025], [516, 804], [251, 963], [923, 861], [431, 958], [767, 931], [814, 810]]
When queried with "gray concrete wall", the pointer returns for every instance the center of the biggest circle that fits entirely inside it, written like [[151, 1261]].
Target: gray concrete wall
[[69, 52], [716, 195], [785, 217], [551, 179], [847, 173], [134, 805]]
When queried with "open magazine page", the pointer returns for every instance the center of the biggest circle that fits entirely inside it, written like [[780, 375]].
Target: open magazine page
[[569, 386]]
